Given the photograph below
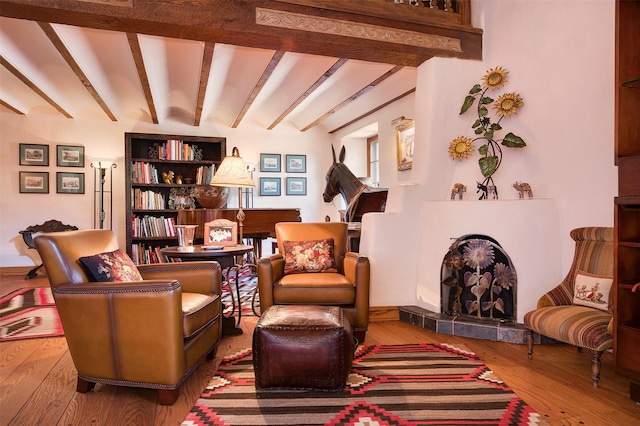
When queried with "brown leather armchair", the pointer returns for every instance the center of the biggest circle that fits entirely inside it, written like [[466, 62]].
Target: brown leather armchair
[[347, 288], [148, 334]]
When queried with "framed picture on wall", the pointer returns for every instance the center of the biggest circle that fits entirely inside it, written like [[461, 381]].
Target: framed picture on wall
[[34, 182], [404, 144], [296, 163], [296, 186], [34, 154], [70, 156], [270, 163], [70, 183], [269, 186]]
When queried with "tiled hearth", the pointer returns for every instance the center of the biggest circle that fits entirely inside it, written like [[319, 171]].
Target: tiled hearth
[[466, 326]]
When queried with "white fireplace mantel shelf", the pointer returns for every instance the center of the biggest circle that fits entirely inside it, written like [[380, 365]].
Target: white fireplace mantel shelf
[[527, 229]]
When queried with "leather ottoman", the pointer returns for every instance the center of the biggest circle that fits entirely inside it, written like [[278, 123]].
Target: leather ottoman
[[302, 347]]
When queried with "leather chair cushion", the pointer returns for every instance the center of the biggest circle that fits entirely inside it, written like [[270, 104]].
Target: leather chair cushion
[[313, 288], [198, 310], [577, 325]]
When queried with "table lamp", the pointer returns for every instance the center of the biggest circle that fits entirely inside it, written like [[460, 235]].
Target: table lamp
[[233, 173]]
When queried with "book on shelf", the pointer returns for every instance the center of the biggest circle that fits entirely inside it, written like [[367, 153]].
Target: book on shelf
[[153, 226], [143, 254]]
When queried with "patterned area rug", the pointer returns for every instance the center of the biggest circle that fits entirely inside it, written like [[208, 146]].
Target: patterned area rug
[[29, 313], [250, 304], [422, 384]]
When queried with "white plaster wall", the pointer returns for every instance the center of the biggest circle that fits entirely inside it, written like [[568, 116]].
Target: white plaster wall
[[564, 72]]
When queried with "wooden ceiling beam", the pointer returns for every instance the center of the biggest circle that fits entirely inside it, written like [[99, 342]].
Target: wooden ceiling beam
[[268, 24], [207, 59], [30, 84], [136, 51], [11, 107], [73, 64], [275, 59]]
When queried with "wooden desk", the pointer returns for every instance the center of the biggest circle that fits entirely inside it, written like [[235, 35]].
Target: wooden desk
[[230, 258]]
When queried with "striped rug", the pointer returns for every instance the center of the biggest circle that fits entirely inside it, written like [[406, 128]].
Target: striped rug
[[422, 384]]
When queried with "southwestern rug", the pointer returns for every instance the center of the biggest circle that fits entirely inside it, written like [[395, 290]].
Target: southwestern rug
[[420, 384], [249, 299], [29, 313]]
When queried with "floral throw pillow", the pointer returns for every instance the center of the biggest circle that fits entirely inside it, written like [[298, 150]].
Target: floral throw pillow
[[309, 256], [111, 266], [592, 290]]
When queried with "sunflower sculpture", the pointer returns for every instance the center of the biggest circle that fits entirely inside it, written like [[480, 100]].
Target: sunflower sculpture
[[490, 151]]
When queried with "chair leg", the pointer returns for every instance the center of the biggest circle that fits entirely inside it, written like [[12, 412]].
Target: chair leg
[[530, 343], [212, 353], [360, 336], [84, 386], [595, 367], [168, 396]]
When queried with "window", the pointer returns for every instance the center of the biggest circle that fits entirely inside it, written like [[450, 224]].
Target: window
[[373, 158]]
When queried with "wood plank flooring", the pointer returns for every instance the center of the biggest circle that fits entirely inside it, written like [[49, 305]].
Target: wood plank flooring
[[37, 380]]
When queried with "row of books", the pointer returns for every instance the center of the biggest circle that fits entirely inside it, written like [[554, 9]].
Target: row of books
[[153, 226], [177, 150], [147, 200], [204, 174], [144, 172], [142, 254]]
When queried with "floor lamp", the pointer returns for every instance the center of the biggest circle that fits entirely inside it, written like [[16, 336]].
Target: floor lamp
[[233, 173], [100, 173]]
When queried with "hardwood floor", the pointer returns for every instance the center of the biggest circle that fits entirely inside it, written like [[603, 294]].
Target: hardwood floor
[[37, 380]]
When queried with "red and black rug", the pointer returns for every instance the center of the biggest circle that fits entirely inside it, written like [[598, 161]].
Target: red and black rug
[[422, 384], [29, 313]]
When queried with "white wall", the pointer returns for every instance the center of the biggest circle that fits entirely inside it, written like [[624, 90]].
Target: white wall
[[105, 139], [565, 73]]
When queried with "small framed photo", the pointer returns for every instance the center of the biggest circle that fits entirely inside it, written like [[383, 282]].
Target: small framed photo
[[269, 186], [404, 144], [34, 182], [296, 186], [296, 163], [70, 183], [270, 163], [221, 232], [70, 156], [34, 155]]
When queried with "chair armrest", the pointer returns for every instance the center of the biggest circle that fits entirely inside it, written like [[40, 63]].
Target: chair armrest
[[560, 295], [358, 269], [194, 277], [270, 270]]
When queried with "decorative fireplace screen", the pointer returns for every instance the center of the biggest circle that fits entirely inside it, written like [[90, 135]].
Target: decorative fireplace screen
[[478, 279]]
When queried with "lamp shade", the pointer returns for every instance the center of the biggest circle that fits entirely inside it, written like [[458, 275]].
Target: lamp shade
[[232, 172]]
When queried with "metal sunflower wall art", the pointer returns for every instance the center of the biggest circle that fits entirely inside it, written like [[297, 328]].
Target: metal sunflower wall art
[[485, 129]]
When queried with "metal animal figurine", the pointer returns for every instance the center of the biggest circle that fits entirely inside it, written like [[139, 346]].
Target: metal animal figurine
[[523, 187], [485, 190], [459, 190], [359, 197]]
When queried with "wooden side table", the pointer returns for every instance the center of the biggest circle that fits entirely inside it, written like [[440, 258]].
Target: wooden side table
[[230, 258]]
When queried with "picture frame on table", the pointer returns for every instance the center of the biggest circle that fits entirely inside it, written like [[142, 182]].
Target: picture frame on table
[[296, 186], [34, 182], [70, 155], [269, 186], [221, 232], [296, 163], [34, 154], [404, 144], [270, 163], [69, 183]]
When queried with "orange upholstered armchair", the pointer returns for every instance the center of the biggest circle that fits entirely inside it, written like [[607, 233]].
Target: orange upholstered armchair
[[579, 310], [294, 277], [148, 326]]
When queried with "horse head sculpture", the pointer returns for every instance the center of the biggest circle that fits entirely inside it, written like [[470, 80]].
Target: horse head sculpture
[[359, 197]]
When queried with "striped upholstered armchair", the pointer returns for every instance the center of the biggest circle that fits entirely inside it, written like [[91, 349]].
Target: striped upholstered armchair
[[579, 310]]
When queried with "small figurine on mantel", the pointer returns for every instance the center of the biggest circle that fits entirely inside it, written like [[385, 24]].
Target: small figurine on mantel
[[523, 187], [167, 177], [459, 190]]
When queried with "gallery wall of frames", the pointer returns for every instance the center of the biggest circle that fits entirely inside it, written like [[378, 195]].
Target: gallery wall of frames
[[66, 181], [294, 164]]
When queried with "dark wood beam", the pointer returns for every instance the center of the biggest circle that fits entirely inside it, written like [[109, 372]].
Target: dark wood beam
[[30, 84], [207, 59], [275, 59], [68, 57], [136, 51], [269, 24]]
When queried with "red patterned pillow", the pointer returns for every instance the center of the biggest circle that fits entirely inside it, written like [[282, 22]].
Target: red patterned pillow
[[309, 256], [111, 266]]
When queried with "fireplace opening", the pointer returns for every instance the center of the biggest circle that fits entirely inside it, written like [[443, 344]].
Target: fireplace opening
[[478, 280]]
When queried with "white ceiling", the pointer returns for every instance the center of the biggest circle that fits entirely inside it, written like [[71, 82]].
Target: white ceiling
[[173, 68]]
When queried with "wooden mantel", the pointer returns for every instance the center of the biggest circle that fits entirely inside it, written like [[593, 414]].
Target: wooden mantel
[[375, 30]]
